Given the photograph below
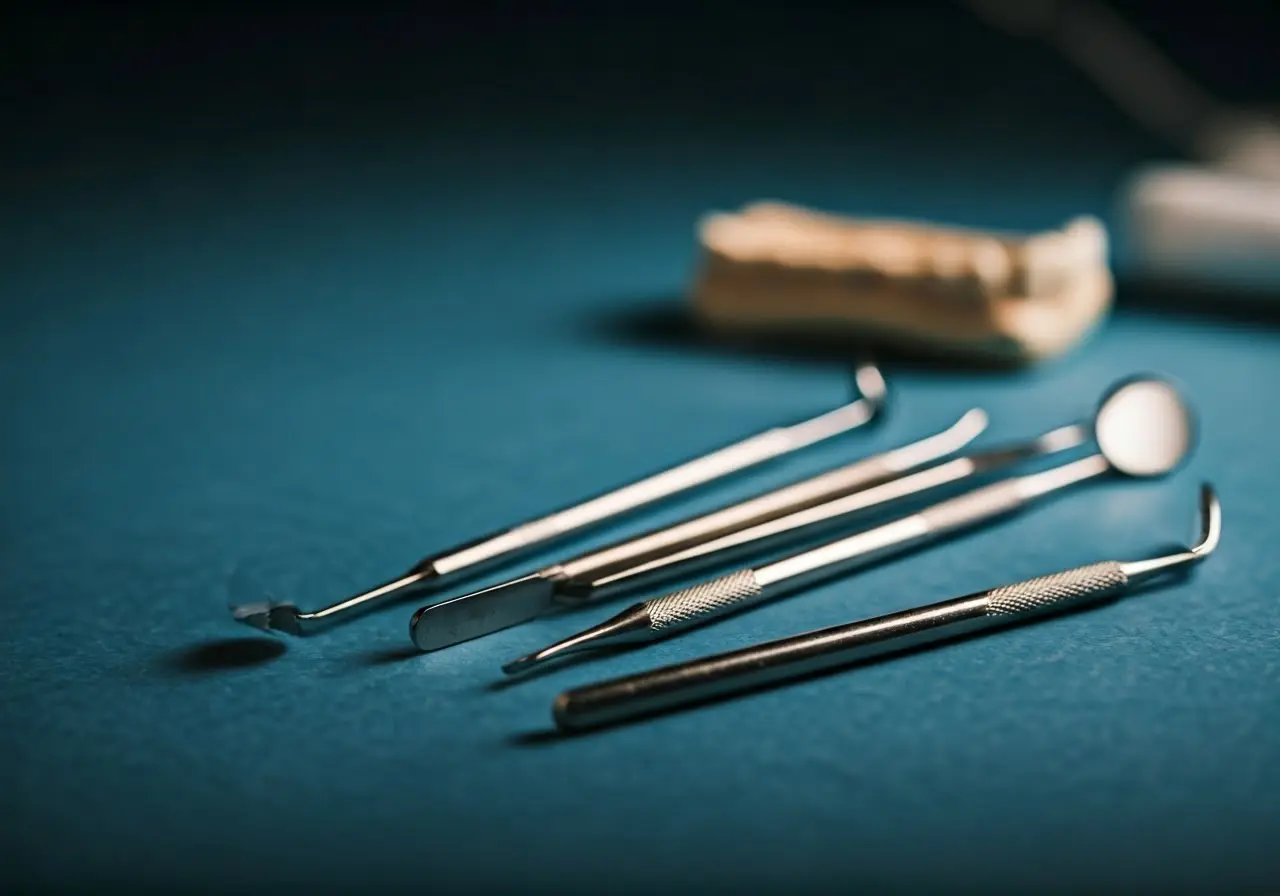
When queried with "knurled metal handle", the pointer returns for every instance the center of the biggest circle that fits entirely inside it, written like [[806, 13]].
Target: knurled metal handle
[[1083, 584], [690, 606]]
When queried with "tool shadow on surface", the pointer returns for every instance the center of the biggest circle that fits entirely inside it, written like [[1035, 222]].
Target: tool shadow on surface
[[386, 656], [220, 655], [666, 322]]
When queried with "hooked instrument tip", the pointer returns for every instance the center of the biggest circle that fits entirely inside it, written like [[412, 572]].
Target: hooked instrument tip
[[269, 616], [1210, 522]]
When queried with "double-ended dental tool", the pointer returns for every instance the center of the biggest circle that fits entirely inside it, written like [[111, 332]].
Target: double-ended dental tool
[[787, 659], [476, 556]]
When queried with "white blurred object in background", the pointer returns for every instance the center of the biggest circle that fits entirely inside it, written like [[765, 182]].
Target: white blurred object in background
[[1205, 226], [1213, 223]]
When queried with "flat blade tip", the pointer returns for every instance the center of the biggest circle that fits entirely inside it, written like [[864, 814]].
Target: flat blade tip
[[481, 613]]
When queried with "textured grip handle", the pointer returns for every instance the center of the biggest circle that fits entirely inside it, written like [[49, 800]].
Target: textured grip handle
[[1057, 591], [691, 606]]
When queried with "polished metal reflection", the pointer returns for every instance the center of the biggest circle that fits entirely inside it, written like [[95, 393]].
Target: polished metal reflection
[[788, 659], [481, 554], [1155, 446], [1145, 429]]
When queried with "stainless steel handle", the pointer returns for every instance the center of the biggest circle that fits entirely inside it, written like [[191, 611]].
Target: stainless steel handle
[[701, 470], [1057, 592], [760, 538], [973, 507], [773, 662], [481, 553], [741, 455], [791, 658], [799, 655], [602, 572], [689, 606], [962, 512], [582, 575], [839, 556], [687, 534]]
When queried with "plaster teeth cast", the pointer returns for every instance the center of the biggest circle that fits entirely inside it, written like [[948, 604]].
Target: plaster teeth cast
[[773, 267]]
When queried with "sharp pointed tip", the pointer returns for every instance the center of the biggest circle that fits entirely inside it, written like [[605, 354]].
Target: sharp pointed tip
[[611, 632], [524, 663], [560, 648]]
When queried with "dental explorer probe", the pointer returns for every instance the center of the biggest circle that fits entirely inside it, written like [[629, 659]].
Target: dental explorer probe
[[1142, 427], [519, 600], [475, 556], [787, 659]]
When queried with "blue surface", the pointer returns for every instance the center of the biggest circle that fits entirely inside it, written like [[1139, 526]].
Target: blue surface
[[296, 369]]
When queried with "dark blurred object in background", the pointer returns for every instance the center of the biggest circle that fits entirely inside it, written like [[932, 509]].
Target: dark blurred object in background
[[86, 78]]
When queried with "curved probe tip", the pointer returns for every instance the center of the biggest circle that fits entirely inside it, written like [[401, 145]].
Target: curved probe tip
[[516, 666], [538, 657], [1210, 521], [1210, 518]]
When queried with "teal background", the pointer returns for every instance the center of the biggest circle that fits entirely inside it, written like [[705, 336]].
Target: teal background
[[282, 313]]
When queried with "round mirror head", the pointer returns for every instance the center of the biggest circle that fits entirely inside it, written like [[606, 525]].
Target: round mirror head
[[1144, 428]]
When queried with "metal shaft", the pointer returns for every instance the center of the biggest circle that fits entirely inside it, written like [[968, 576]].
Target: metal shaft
[[699, 604], [970, 509], [795, 657], [482, 553], [630, 562], [617, 562], [581, 584]]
